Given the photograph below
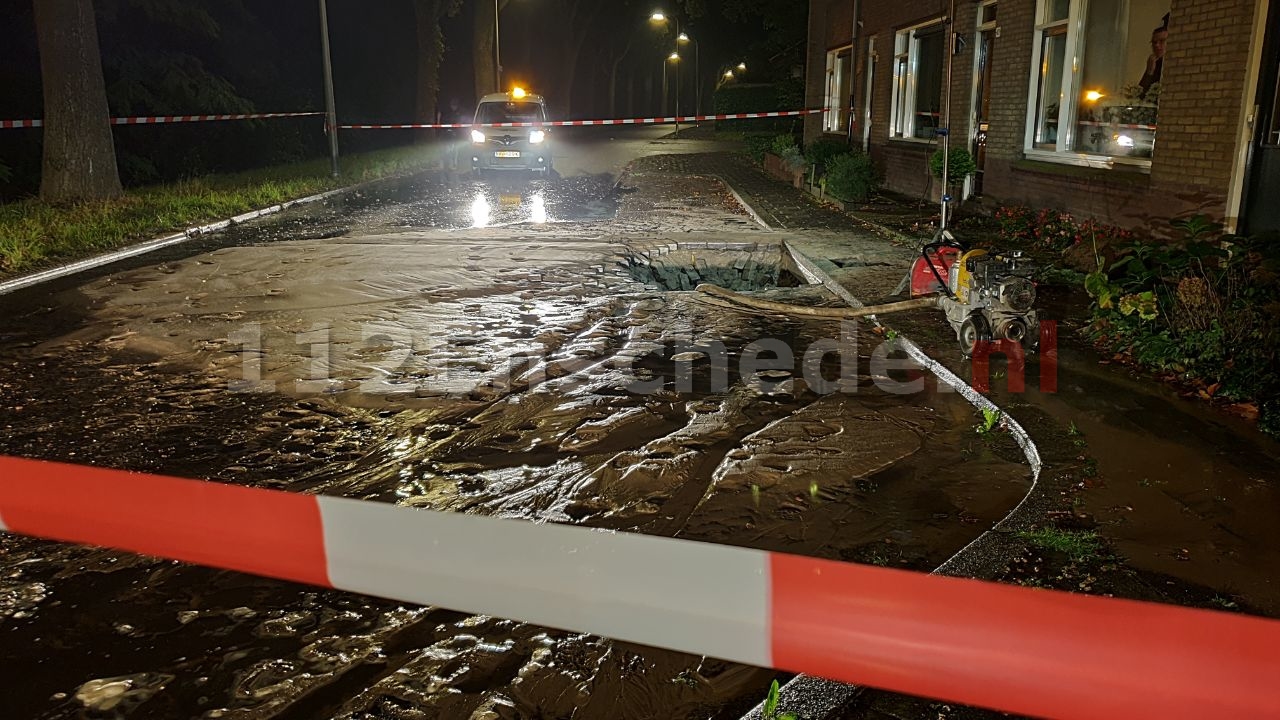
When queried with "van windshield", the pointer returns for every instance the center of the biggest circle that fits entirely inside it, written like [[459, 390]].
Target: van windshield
[[509, 112]]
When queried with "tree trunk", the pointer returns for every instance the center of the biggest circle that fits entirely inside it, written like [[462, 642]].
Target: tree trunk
[[79, 152], [427, 14], [482, 49]]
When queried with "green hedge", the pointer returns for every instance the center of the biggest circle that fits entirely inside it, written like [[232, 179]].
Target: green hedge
[[756, 98]]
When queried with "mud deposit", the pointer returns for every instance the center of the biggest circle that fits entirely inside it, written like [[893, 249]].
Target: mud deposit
[[483, 372]]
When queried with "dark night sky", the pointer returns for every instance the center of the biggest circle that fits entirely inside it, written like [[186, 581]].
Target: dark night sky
[[266, 54]]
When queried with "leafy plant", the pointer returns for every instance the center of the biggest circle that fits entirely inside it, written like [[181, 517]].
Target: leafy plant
[[990, 421], [1143, 304], [960, 165], [771, 705], [1055, 230], [6, 174], [851, 177], [821, 151], [758, 145], [783, 144]]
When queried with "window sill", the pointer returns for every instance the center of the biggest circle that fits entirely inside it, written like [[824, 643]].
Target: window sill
[[912, 142], [1117, 175], [1102, 163]]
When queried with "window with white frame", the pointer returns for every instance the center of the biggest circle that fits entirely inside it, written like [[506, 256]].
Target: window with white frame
[[1096, 95], [839, 90], [919, 53]]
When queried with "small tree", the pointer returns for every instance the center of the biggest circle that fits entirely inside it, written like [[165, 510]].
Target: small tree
[[959, 166]]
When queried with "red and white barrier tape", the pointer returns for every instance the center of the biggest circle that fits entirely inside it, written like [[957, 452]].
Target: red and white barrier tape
[[165, 119], [1019, 650], [587, 123]]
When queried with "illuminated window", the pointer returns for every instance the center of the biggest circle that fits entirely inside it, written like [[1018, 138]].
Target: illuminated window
[[917, 81], [1096, 93], [839, 90]]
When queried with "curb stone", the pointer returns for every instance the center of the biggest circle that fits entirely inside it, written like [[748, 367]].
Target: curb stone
[[22, 282]]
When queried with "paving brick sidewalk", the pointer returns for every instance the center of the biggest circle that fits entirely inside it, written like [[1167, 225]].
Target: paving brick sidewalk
[[782, 207]]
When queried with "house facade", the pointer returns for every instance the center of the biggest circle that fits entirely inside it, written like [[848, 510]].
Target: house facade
[[1131, 112]]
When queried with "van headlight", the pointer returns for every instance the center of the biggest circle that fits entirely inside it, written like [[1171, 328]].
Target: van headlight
[[537, 136], [477, 136]]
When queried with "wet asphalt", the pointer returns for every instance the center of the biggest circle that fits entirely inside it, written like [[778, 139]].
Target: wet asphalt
[[452, 344]]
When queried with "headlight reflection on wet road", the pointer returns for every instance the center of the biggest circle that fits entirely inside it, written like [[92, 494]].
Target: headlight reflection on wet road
[[537, 209], [480, 211]]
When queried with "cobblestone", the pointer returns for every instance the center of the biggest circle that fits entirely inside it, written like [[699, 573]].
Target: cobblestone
[[782, 207]]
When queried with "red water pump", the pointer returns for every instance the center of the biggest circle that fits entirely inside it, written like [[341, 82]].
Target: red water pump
[[986, 296]]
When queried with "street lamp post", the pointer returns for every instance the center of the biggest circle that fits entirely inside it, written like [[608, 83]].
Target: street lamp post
[[660, 17], [697, 71], [497, 49]]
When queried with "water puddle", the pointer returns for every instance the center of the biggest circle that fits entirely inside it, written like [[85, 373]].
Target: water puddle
[[1184, 491]]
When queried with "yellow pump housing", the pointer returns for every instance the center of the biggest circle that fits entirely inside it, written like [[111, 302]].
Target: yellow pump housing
[[964, 279]]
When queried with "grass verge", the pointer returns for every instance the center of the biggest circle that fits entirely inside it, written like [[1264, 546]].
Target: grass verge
[[34, 234], [1079, 545]]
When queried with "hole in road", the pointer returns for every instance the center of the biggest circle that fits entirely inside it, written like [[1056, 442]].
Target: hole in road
[[736, 266]]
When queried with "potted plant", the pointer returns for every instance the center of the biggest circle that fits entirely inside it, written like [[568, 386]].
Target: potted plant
[[960, 166]]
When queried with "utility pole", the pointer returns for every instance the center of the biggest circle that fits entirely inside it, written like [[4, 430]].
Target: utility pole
[[331, 113], [497, 49], [950, 29], [676, 54]]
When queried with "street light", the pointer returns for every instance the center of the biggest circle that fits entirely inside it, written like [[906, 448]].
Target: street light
[[697, 70], [659, 16]]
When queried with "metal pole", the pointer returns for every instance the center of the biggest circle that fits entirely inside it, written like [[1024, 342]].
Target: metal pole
[[946, 113], [666, 101], [853, 73], [677, 53], [697, 77], [331, 113], [497, 50]]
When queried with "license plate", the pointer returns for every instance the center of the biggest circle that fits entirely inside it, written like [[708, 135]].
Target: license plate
[[507, 154], [509, 199]]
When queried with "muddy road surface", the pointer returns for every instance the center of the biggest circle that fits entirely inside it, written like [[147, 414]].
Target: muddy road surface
[[449, 345]]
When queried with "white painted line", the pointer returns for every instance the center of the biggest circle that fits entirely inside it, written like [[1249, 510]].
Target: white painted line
[[563, 577]]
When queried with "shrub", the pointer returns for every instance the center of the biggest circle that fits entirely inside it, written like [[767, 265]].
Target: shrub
[[820, 151], [851, 177], [785, 147], [782, 144], [960, 166], [758, 145], [736, 98], [1055, 230], [1204, 307]]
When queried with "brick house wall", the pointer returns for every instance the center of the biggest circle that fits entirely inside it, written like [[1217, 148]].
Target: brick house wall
[[830, 28], [1200, 112], [1203, 95]]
